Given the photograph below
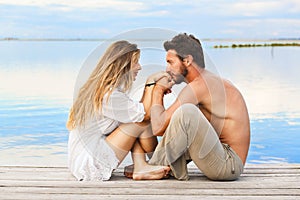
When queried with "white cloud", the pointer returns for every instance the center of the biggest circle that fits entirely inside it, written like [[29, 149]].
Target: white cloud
[[246, 18], [118, 7], [87, 4], [152, 13], [255, 8], [246, 8], [294, 6], [265, 7], [277, 26]]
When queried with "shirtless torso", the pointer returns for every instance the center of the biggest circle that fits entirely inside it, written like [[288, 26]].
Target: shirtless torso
[[218, 99], [225, 108]]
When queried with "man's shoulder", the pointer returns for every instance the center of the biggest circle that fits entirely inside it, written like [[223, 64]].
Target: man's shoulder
[[194, 91], [198, 82]]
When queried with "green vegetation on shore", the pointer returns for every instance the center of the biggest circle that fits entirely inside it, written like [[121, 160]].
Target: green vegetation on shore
[[257, 45]]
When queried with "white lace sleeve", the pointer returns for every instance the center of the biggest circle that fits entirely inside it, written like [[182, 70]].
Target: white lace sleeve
[[122, 108]]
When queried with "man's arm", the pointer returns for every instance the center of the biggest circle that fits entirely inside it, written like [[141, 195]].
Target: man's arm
[[159, 121], [160, 117]]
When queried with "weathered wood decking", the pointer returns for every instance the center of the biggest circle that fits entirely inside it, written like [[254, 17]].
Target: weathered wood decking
[[273, 181]]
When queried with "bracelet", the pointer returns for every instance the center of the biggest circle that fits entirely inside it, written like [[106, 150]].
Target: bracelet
[[149, 84]]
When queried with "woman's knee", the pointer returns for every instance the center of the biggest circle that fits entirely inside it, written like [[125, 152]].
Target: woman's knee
[[132, 129]]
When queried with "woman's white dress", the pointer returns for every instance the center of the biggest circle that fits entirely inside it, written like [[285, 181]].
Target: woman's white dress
[[89, 156]]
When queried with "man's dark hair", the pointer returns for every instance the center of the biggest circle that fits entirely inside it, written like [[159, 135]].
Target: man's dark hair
[[186, 45]]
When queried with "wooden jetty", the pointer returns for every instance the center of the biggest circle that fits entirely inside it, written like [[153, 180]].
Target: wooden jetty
[[261, 181]]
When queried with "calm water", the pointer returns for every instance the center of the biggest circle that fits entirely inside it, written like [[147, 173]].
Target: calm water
[[37, 81]]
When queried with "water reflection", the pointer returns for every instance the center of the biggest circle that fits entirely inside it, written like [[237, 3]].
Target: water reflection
[[270, 84], [35, 155]]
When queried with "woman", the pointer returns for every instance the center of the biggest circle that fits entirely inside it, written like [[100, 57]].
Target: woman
[[105, 124]]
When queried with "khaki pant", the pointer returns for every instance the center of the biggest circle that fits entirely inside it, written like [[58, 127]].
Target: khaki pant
[[190, 136]]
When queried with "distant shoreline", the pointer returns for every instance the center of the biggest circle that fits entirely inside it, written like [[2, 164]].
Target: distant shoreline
[[157, 39], [235, 43], [258, 45]]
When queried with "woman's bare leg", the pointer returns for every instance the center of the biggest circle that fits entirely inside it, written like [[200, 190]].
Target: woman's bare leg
[[142, 170], [148, 141], [123, 139], [121, 143]]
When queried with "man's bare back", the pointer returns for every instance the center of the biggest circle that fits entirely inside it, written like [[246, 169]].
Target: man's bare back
[[225, 108]]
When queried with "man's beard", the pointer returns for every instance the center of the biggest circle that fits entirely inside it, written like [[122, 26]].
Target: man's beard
[[181, 77]]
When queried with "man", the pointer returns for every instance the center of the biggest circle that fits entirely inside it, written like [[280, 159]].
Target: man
[[208, 122]]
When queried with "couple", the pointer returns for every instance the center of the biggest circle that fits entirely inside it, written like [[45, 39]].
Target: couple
[[208, 123]]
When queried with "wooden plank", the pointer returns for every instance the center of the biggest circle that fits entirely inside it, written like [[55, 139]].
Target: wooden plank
[[151, 191], [191, 167], [280, 181], [248, 169], [295, 168], [121, 177], [138, 197], [266, 184], [120, 170], [68, 177]]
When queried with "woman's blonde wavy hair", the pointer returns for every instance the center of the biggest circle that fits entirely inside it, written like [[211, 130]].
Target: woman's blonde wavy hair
[[112, 71]]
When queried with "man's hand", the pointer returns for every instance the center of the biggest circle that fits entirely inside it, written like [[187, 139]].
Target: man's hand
[[165, 84]]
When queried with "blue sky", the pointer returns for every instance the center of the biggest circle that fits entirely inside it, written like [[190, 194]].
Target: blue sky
[[250, 19]]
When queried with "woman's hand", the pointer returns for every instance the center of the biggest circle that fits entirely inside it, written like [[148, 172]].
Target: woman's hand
[[156, 77]]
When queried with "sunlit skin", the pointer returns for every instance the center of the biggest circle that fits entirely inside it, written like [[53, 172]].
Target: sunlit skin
[[135, 68], [219, 100]]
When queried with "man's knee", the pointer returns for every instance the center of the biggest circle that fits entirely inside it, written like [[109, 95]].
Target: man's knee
[[190, 110], [186, 112], [189, 116]]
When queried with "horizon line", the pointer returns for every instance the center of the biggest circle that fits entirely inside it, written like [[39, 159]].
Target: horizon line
[[156, 39]]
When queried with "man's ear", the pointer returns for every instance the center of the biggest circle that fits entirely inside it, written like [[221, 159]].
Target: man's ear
[[188, 60]]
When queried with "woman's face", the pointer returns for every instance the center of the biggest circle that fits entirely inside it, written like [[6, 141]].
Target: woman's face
[[135, 68]]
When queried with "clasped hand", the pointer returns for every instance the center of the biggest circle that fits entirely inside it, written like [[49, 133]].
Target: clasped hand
[[162, 80]]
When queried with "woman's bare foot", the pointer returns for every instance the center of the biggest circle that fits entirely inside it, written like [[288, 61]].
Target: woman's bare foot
[[157, 172], [150, 172]]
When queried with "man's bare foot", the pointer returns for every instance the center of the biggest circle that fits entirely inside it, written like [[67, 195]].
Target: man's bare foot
[[150, 172]]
